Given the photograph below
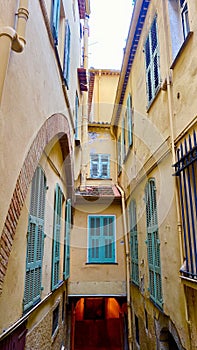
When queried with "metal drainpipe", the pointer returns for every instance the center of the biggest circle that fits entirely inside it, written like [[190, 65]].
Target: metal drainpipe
[[127, 254], [171, 113], [11, 39], [85, 110]]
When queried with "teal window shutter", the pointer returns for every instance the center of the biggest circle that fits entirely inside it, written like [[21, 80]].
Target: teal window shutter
[[104, 166], [133, 243], [66, 68], [55, 20], [35, 241], [67, 240], [76, 116], [123, 151], [101, 238], [129, 121], [119, 154], [56, 238], [153, 244], [152, 62]]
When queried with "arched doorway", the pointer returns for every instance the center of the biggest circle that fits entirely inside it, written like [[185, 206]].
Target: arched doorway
[[98, 324], [167, 342]]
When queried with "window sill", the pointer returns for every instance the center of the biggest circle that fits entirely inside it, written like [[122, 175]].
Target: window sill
[[189, 282], [101, 263], [154, 98], [190, 34], [54, 335], [98, 178]]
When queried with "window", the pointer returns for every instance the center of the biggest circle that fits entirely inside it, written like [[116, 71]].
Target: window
[[56, 238], [55, 20], [133, 243], [55, 320], [179, 24], [35, 240], [184, 18], [186, 171], [152, 62], [123, 144], [101, 239], [119, 154], [99, 166], [76, 116], [137, 334], [129, 120], [153, 244], [67, 240], [66, 68]]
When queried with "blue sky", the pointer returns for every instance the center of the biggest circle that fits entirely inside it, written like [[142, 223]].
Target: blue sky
[[109, 25]]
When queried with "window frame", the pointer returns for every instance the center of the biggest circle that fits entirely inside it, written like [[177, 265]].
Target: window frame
[[101, 258], [67, 51], [151, 55], [153, 244], [35, 239], [66, 269], [133, 242], [184, 18], [55, 266], [98, 164]]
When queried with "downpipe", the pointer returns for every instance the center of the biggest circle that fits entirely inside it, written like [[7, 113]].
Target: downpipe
[[12, 39], [127, 255]]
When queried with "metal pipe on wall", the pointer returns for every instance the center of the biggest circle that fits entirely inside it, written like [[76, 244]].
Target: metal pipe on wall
[[127, 255], [11, 39]]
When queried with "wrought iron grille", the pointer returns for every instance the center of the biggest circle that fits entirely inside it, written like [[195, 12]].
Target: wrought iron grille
[[186, 170]]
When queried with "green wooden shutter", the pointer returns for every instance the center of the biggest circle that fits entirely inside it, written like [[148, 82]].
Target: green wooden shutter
[[123, 152], [152, 62], [76, 116], [66, 69], [94, 253], [67, 240], [55, 20], [129, 120], [108, 243], [35, 240], [101, 232], [133, 243], [119, 154], [56, 238], [153, 243]]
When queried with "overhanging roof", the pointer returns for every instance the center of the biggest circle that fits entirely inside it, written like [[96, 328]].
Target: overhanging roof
[[136, 25]]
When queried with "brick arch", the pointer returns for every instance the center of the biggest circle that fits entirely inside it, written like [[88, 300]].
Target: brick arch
[[56, 125]]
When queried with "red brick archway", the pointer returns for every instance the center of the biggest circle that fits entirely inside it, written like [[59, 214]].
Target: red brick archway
[[57, 125]]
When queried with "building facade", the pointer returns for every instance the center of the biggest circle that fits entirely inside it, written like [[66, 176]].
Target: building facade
[[154, 120], [41, 55], [98, 177]]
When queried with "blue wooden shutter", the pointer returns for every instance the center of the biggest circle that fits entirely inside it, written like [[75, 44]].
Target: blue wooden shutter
[[94, 165], [101, 239], [67, 240], [152, 62], [119, 155], [153, 243], [134, 243], [104, 166], [66, 68], [56, 238], [129, 120], [55, 20], [94, 251], [35, 240], [108, 234], [76, 116]]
